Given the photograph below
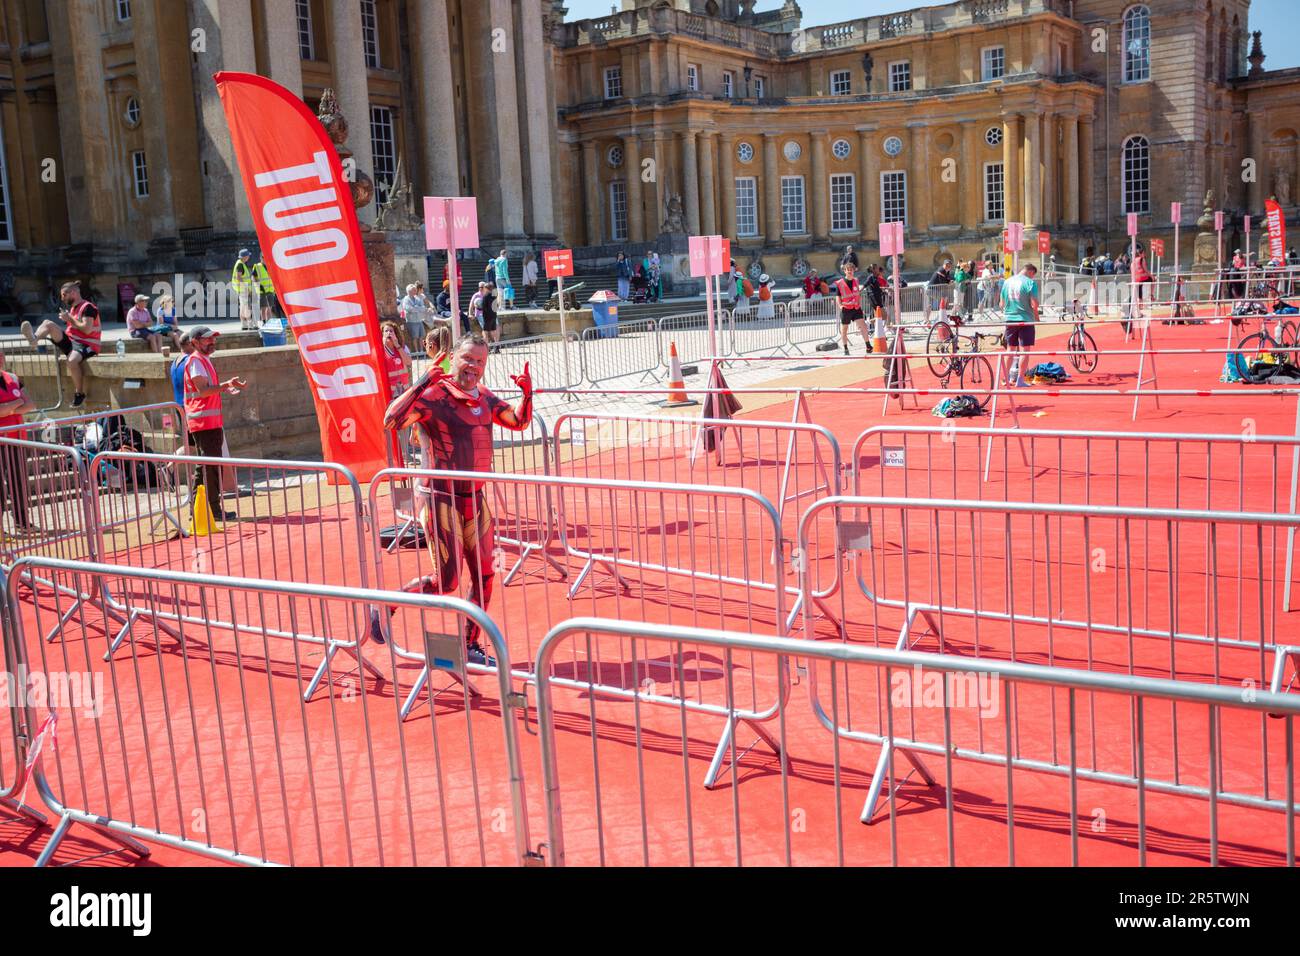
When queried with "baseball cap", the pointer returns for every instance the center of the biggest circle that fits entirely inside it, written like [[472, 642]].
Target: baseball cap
[[243, 253], [202, 332], [142, 298]]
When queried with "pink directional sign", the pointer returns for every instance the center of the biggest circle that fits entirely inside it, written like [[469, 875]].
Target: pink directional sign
[[1175, 212], [1218, 221], [891, 238], [1015, 236], [1132, 224], [457, 231], [706, 255]]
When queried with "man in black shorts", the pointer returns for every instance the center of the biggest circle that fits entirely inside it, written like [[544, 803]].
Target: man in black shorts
[[848, 295], [491, 328], [78, 338]]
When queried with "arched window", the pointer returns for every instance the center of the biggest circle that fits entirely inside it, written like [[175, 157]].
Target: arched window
[[1136, 174], [1137, 44]]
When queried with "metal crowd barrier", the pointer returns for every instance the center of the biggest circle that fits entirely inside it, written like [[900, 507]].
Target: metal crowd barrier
[[1182, 594], [979, 735], [555, 361], [31, 364], [629, 348], [199, 739], [159, 426], [1123, 469], [810, 321], [666, 551]]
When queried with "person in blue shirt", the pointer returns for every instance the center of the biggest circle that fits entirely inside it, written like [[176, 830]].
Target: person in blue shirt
[[1020, 310], [178, 369]]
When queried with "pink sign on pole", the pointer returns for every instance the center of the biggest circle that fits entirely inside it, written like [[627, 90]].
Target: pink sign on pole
[[453, 226], [1132, 224], [709, 255], [1218, 221], [891, 238], [1015, 236], [1175, 212]]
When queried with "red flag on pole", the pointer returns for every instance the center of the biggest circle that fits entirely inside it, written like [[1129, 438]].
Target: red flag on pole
[[307, 225], [1276, 230]]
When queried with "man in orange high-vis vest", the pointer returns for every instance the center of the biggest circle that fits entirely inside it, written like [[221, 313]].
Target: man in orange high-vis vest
[[848, 293], [203, 416]]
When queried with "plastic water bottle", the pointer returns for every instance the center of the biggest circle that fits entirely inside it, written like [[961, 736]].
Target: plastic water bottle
[[121, 346]]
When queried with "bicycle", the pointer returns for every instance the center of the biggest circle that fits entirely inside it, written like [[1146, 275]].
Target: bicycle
[[1081, 346], [943, 344]]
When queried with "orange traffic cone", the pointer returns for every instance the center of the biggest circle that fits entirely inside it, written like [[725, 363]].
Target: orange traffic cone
[[677, 396], [878, 342]]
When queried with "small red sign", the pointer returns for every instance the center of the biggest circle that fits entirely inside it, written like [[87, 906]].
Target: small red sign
[[559, 263], [1045, 243], [1158, 247]]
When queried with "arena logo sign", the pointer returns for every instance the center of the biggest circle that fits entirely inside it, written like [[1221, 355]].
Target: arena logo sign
[[301, 207]]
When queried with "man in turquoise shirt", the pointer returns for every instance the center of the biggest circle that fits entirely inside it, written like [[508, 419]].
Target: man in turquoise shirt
[[1020, 309]]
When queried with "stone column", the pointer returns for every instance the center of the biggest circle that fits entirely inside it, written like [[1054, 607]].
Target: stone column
[[771, 190], [821, 207], [228, 25], [656, 189], [972, 212], [869, 188], [498, 164], [690, 182], [591, 192], [439, 159], [1033, 172], [1255, 193], [918, 179], [635, 198], [1070, 156], [282, 44], [727, 183], [1048, 169], [708, 193], [1011, 177], [352, 84], [535, 116], [1087, 176]]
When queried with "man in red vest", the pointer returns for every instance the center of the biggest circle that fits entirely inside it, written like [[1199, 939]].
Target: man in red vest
[[455, 414], [13, 458], [848, 294], [78, 338], [203, 417]]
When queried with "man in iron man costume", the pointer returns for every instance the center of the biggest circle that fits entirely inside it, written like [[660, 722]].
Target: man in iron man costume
[[455, 413]]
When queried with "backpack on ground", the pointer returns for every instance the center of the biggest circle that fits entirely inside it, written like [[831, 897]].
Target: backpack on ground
[[959, 406], [1047, 373]]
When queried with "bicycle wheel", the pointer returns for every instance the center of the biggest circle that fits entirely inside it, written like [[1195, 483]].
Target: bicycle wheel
[[976, 376], [1083, 351], [940, 345], [1254, 347]]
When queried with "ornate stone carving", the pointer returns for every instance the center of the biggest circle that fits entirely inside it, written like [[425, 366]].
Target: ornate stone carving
[[1282, 181], [398, 213], [1207, 214], [1257, 56], [799, 266], [336, 128], [675, 220]]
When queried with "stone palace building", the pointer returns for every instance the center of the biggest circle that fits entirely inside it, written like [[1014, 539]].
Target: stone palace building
[[667, 118]]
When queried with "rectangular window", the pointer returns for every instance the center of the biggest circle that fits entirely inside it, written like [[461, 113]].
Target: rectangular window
[[618, 210], [6, 227], [692, 77], [613, 82], [759, 87], [844, 205], [140, 170], [728, 84], [124, 9], [995, 206], [792, 217], [841, 83], [383, 145], [370, 33], [746, 206], [900, 76], [993, 63], [306, 36], [893, 196]]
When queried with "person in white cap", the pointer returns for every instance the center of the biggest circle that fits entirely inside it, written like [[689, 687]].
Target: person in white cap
[[766, 307]]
